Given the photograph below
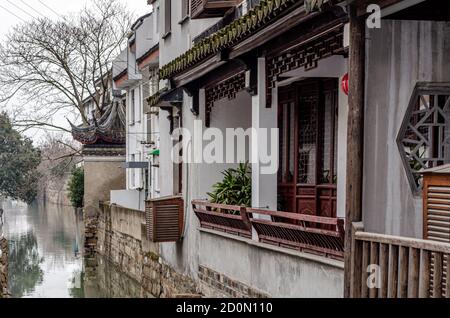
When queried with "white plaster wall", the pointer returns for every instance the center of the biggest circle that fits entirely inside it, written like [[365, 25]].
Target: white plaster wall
[[399, 54], [264, 186], [147, 36], [165, 158], [130, 199], [198, 178], [342, 152], [182, 34], [136, 134], [244, 111], [276, 273]]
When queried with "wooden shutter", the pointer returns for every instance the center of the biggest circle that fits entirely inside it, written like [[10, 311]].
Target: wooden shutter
[[184, 9], [437, 207], [167, 17], [436, 222], [201, 9], [165, 218]]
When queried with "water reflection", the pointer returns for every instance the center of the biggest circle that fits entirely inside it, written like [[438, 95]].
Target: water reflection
[[25, 265], [45, 258]]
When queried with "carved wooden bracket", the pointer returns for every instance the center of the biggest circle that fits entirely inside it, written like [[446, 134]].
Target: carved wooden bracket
[[227, 88], [305, 55]]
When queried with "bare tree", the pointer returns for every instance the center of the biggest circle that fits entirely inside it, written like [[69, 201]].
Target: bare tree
[[49, 68], [59, 155]]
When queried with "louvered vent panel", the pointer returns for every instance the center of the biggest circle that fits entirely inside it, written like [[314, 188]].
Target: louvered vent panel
[[438, 213], [165, 219], [196, 7], [437, 216], [201, 9]]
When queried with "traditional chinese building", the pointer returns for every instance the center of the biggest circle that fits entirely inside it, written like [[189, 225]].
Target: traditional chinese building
[[103, 151], [357, 123]]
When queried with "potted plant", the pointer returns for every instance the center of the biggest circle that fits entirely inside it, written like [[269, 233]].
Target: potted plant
[[235, 188]]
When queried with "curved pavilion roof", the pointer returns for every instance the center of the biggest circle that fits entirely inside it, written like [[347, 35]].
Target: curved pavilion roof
[[108, 129]]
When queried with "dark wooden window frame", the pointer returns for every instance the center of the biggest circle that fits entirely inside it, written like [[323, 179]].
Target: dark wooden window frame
[[167, 18], [185, 11], [319, 195]]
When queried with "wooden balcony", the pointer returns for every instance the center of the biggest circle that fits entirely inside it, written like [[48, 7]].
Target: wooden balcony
[[201, 9], [318, 235], [407, 268]]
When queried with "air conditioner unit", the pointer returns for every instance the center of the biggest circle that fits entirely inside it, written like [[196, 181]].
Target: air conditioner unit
[[165, 219], [201, 9]]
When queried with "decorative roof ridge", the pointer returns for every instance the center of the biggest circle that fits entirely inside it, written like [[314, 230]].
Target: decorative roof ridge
[[155, 98], [252, 21], [230, 34]]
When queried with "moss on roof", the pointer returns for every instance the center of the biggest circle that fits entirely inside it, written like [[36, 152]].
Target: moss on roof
[[255, 19]]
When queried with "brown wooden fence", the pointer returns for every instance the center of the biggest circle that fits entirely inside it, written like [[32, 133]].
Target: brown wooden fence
[[406, 267]]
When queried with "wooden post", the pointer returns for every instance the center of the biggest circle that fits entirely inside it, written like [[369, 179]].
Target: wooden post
[[403, 266], [438, 275], [425, 274], [355, 136], [414, 272], [384, 265]]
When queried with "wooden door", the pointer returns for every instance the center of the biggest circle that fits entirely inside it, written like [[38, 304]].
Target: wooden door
[[308, 142]]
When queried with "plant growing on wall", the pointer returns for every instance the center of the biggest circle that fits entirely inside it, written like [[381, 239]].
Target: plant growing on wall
[[235, 188], [76, 187]]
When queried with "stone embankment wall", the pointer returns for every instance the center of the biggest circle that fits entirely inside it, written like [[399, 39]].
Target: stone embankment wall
[[3, 267], [121, 240], [119, 236], [3, 260]]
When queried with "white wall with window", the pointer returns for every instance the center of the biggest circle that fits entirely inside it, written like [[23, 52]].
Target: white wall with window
[[136, 136]]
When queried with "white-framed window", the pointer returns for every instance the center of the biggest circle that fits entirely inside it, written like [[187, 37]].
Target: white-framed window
[[184, 10], [132, 172], [138, 183], [167, 18], [157, 20], [132, 107], [138, 99]]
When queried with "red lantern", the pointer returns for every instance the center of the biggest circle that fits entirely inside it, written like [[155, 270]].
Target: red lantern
[[344, 84]]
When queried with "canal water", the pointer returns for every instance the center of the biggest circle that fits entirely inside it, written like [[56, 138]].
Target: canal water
[[45, 256]]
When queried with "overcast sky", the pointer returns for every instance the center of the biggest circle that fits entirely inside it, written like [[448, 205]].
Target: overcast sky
[[13, 12], [17, 11]]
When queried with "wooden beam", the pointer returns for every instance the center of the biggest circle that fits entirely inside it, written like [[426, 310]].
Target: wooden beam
[[363, 4], [355, 136]]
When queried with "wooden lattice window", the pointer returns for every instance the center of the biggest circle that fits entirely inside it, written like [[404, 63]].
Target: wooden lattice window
[[424, 137], [307, 120]]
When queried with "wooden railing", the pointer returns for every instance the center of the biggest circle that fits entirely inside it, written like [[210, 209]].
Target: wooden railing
[[308, 233], [319, 235], [386, 266], [225, 218]]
